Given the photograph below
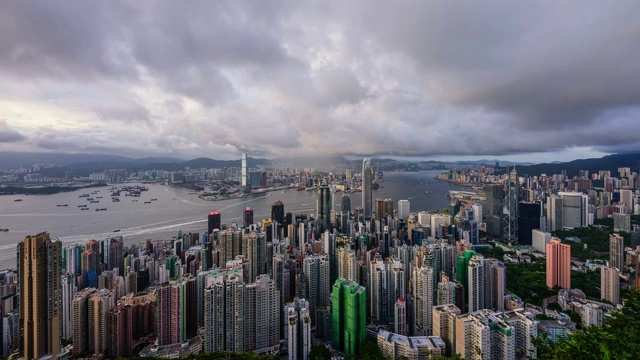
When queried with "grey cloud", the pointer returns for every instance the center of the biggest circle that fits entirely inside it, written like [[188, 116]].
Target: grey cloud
[[8, 135], [361, 77]]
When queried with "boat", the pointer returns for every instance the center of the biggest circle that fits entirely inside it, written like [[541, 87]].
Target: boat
[[61, 205], [89, 199], [147, 202], [4, 230], [82, 205], [134, 200], [94, 202], [154, 199], [17, 200], [84, 208], [84, 195], [116, 230], [102, 209], [99, 197]]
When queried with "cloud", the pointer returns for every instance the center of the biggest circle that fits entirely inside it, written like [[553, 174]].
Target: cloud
[[274, 78], [8, 135]]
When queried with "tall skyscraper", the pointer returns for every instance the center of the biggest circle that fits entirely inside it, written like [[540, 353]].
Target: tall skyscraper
[[423, 290], [323, 208], [345, 213], [39, 267], [529, 214], [616, 251], [510, 211], [400, 316], [213, 221], [171, 313], [367, 188], [244, 172], [298, 329], [558, 264], [247, 217], [610, 284], [404, 208], [495, 200], [349, 316], [277, 212]]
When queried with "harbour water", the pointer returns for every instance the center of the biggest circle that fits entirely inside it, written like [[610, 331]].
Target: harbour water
[[177, 209]]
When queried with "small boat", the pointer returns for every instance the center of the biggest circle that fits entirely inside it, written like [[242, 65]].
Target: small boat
[[147, 202], [99, 197], [116, 230], [61, 205], [154, 199], [134, 200], [85, 208], [84, 195], [4, 230], [17, 200], [82, 205], [102, 209]]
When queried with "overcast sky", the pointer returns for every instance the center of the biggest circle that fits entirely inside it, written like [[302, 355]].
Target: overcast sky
[[530, 81]]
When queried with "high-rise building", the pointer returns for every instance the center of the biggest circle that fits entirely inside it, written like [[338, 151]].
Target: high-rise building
[[610, 284], [621, 222], [558, 264], [244, 172], [495, 203], [568, 210], [68, 294], [529, 214], [323, 208], [213, 221], [616, 251], [247, 217], [540, 239], [349, 308], [80, 327], [400, 316], [345, 213], [171, 313], [120, 334], [367, 188], [444, 324], [510, 210], [477, 212], [277, 212], [298, 329], [98, 305], [404, 208], [423, 292], [39, 270], [317, 272]]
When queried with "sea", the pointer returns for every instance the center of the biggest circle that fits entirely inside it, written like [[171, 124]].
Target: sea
[[179, 209]]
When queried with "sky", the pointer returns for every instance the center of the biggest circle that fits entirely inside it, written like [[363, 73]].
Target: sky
[[523, 81]]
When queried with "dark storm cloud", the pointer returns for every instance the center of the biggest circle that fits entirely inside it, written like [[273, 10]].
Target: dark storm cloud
[[360, 77]]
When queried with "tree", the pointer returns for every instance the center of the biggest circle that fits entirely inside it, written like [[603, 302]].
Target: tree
[[371, 350], [319, 352]]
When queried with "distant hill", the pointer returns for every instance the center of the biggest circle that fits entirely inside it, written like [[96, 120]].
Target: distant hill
[[609, 162]]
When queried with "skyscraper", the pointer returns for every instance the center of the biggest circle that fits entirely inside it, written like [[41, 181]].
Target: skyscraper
[[610, 284], [510, 211], [277, 212], [213, 221], [349, 316], [298, 329], [400, 316], [247, 217], [244, 172], [404, 208], [39, 266], [616, 251], [345, 213], [558, 264], [495, 200], [323, 208], [367, 188], [529, 214], [423, 290]]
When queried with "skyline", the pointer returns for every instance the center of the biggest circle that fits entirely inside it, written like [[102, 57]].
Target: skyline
[[532, 82]]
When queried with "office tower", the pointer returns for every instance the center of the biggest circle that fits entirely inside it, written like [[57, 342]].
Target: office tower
[[510, 211], [558, 264], [121, 327], [422, 285], [495, 200], [349, 317], [298, 329], [68, 294], [444, 324], [474, 233], [39, 265], [247, 217], [277, 212], [345, 213], [213, 221], [323, 208], [400, 316], [477, 212], [621, 222], [616, 251], [529, 215], [243, 181], [610, 284], [98, 306], [540, 239], [367, 188], [568, 210], [404, 208]]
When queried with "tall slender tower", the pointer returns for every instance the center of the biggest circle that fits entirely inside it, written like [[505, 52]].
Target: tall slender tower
[[244, 172], [558, 264], [323, 208], [39, 264], [367, 188]]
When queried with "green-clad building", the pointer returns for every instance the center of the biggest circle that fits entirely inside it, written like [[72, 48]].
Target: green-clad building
[[462, 266], [349, 316]]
